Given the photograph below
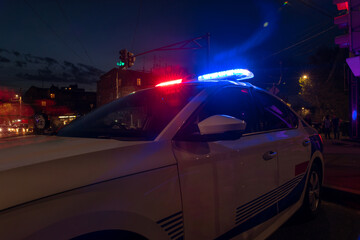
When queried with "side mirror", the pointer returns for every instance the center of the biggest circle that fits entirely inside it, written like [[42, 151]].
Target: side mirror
[[219, 124]]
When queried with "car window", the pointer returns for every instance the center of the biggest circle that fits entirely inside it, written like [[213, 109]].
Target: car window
[[273, 113], [235, 102], [139, 116]]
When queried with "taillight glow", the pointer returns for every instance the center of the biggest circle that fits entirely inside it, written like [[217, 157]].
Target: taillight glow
[[173, 82]]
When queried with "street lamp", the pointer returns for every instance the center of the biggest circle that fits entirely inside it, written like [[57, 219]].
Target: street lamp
[[304, 83]]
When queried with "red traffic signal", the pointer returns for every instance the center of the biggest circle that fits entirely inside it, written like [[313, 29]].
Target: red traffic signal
[[342, 5]]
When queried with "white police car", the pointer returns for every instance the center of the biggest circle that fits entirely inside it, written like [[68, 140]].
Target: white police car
[[204, 159]]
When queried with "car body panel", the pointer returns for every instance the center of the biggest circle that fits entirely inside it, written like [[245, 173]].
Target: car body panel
[[21, 181], [218, 178], [99, 207], [294, 159]]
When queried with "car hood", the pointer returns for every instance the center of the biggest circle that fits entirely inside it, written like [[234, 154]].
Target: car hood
[[33, 167]]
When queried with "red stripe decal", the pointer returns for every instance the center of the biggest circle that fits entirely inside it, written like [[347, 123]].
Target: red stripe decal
[[301, 168]]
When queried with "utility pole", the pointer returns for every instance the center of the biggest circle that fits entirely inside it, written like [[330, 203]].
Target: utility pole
[[351, 40]]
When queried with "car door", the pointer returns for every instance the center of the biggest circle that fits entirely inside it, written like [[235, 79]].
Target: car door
[[293, 146], [225, 184]]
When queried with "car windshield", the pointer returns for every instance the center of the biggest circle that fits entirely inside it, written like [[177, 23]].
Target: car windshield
[[138, 116]]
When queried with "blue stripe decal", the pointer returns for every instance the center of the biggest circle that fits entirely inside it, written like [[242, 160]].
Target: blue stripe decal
[[254, 221], [266, 206], [293, 196], [259, 204], [173, 225], [271, 193]]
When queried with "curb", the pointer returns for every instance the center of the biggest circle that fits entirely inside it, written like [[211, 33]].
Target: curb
[[348, 190], [344, 198]]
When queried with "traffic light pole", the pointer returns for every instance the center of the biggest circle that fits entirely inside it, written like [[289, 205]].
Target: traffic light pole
[[191, 44], [183, 45]]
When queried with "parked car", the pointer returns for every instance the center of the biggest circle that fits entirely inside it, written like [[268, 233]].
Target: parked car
[[213, 158]]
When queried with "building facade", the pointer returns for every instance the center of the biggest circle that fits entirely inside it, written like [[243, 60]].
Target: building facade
[[59, 106], [118, 83]]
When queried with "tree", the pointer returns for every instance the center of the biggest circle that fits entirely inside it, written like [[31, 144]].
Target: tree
[[323, 87]]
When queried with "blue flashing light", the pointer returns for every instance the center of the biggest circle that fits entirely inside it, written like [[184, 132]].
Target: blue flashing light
[[238, 74], [354, 115]]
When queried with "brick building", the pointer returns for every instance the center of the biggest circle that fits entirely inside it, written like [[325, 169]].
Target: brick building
[[60, 105], [56, 101], [119, 83]]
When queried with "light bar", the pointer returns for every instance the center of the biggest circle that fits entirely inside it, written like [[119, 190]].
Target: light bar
[[169, 83], [238, 74]]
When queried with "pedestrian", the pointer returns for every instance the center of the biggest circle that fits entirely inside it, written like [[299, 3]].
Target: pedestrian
[[327, 127], [335, 125]]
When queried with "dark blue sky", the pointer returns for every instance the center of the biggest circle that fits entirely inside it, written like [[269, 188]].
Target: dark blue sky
[[90, 33]]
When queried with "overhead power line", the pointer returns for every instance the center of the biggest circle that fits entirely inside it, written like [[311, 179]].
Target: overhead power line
[[67, 19], [316, 8], [52, 30], [137, 24], [302, 41]]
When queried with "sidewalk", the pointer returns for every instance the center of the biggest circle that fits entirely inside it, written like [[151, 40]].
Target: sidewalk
[[342, 165]]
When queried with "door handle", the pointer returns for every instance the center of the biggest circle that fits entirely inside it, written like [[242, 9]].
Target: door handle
[[306, 143], [269, 155]]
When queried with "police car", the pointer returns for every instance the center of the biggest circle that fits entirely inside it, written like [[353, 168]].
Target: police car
[[213, 158]]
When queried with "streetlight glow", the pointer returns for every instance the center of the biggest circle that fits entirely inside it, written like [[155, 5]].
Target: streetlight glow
[[305, 76]]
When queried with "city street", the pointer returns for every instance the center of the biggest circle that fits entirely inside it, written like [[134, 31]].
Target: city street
[[342, 165]]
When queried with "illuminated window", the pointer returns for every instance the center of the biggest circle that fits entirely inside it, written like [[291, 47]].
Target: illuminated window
[[43, 103], [52, 95], [138, 81]]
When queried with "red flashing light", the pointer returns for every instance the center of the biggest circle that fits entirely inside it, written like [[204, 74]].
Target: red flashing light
[[343, 6], [173, 82]]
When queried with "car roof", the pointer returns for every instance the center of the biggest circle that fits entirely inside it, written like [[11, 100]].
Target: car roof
[[222, 82]]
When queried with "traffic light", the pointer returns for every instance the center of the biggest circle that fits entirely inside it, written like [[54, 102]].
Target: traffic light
[[350, 21], [123, 58], [131, 59], [127, 59], [120, 64]]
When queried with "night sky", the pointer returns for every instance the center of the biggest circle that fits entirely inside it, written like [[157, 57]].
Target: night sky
[[60, 42]]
